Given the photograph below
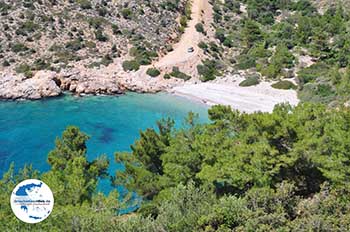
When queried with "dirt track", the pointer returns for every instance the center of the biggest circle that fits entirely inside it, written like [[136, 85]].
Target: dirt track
[[180, 57]]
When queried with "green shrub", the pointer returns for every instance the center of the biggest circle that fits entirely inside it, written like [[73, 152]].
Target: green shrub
[[106, 60], [126, 13], [176, 73], [183, 21], [208, 70], [41, 64], [250, 81], [100, 36], [220, 34], [153, 72], [246, 62], [131, 65], [27, 27], [313, 72], [284, 85], [85, 4], [19, 47], [74, 45], [203, 46], [116, 30], [319, 93], [167, 76], [96, 22], [142, 55], [5, 63], [199, 27], [25, 69]]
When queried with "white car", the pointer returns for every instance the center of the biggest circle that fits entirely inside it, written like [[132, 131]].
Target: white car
[[190, 49]]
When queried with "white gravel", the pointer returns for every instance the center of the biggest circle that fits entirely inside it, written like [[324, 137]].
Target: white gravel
[[261, 97]]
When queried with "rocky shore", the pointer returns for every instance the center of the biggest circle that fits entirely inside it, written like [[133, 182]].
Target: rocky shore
[[50, 84], [79, 81]]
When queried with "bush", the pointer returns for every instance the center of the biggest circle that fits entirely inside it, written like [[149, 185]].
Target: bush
[[5, 63], [85, 4], [74, 45], [100, 36], [19, 47], [250, 81], [131, 65], [203, 46], [142, 55], [183, 21], [320, 93], [153, 72], [167, 76], [208, 70], [176, 73], [25, 69], [199, 27], [246, 62], [116, 30], [313, 72], [126, 13], [284, 85], [106, 60]]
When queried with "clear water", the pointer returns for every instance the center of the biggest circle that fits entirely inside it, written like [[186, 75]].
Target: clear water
[[28, 129]]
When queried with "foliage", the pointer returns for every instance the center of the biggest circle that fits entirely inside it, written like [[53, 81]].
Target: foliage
[[130, 65], [153, 72], [73, 180], [272, 47], [286, 171], [19, 47], [250, 81], [127, 13], [25, 69], [281, 59], [209, 70], [199, 27], [178, 74], [284, 84]]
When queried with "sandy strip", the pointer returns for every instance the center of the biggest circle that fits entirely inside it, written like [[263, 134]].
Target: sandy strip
[[246, 99]]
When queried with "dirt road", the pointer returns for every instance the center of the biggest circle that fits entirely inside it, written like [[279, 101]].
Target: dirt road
[[180, 57]]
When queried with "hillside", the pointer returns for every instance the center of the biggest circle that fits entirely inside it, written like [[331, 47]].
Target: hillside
[[295, 44], [55, 34]]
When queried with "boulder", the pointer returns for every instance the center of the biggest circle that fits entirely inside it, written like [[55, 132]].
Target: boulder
[[41, 85]]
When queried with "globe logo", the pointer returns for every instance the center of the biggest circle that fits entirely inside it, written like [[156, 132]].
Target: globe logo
[[32, 201]]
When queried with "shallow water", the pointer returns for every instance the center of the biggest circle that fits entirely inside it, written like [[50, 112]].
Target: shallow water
[[28, 129]]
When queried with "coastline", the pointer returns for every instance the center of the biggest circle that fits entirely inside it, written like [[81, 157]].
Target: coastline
[[261, 97], [223, 91]]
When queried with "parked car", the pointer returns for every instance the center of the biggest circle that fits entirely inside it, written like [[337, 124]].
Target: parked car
[[190, 49]]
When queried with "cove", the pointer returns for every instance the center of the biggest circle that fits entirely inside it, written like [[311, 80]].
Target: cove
[[28, 129]]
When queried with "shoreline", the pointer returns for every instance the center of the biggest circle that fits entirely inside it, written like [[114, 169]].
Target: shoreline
[[261, 97], [251, 99]]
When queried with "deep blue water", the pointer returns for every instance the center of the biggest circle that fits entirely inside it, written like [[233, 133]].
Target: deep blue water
[[28, 129]]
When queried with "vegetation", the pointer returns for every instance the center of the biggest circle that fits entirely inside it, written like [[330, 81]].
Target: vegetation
[[209, 70], [272, 36], [281, 171], [284, 85], [178, 74], [199, 27], [130, 65], [65, 32], [250, 81], [153, 72]]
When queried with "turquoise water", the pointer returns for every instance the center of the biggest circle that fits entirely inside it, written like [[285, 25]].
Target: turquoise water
[[28, 129]]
